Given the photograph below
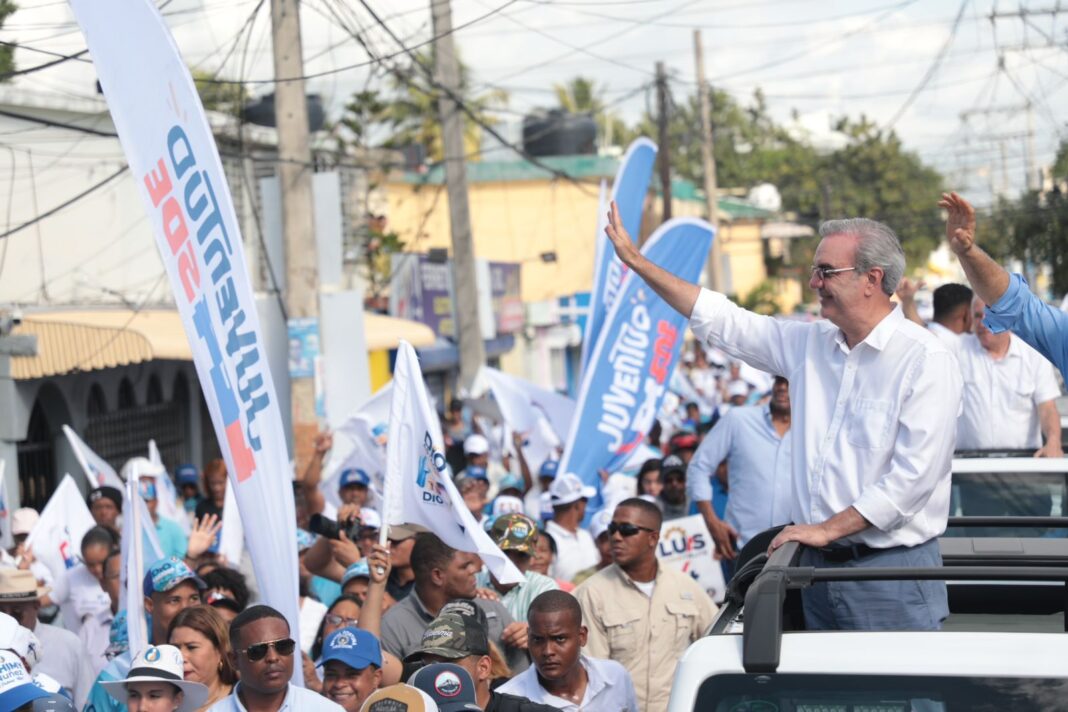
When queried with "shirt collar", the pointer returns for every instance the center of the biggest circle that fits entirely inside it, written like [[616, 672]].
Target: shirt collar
[[238, 704], [420, 609], [879, 336]]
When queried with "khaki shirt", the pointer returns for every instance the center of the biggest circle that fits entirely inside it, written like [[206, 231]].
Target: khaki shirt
[[647, 635]]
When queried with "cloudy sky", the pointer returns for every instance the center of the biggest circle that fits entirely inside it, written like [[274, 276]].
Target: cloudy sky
[[954, 79]]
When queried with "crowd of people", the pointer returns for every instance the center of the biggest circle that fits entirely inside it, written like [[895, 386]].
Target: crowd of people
[[842, 430]]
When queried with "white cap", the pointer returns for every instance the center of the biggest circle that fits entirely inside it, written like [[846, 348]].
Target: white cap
[[160, 663], [507, 504], [476, 445], [23, 520], [370, 518], [21, 641], [737, 388], [600, 521], [140, 467], [568, 488], [618, 488]]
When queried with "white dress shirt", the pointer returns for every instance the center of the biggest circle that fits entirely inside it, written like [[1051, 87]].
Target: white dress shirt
[[1001, 396], [298, 699], [609, 688], [574, 552], [873, 426], [947, 336]]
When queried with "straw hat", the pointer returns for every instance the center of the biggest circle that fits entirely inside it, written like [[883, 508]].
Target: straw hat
[[17, 586]]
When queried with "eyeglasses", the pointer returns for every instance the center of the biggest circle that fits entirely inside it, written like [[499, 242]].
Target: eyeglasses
[[627, 529], [283, 647], [334, 619], [824, 272]]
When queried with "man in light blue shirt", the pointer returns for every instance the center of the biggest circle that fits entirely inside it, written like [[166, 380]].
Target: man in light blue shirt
[[263, 653], [1012, 306], [755, 442]]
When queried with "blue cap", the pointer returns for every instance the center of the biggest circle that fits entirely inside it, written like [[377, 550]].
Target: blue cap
[[147, 488], [16, 685], [355, 647], [548, 468], [511, 481], [474, 472], [354, 476], [305, 539], [165, 574], [358, 570], [187, 475]]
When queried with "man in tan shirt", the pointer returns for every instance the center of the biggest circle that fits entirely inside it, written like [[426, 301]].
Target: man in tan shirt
[[640, 613]]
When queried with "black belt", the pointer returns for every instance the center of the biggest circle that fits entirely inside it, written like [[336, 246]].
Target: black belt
[[840, 554]]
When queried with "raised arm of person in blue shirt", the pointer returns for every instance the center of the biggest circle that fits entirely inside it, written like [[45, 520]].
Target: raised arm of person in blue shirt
[[1010, 304]]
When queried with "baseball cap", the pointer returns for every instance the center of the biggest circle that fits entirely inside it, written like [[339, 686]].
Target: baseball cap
[[453, 636], [545, 506], [599, 522], [448, 684], [399, 698], [737, 388], [476, 445], [16, 686], [672, 463], [506, 504], [53, 702], [370, 519], [160, 663], [682, 440], [19, 640], [474, 472], [23, 520], [355, 647], [568, 488], [358, 570], [511, 480], [105, 492], [165, 574], [354, 476], [187, 475], [549, 468], [514, 532]]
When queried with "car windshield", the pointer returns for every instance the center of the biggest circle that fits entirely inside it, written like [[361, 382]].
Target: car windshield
[[878, 693], [1017, 494]]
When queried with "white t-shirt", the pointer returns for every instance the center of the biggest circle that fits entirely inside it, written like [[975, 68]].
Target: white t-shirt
[[574, 552], [64, 658], [83, 598], [645, 587]]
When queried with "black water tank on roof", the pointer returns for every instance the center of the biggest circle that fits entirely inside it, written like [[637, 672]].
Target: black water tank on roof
[[558, 133], [261, 112]]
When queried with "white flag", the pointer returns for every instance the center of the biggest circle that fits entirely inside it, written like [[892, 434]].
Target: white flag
[[57, 537], [151, 551], [166, 492], [232, 535], [418, 489], [97, 470], [360, 442], [134, 514], [5, 512]]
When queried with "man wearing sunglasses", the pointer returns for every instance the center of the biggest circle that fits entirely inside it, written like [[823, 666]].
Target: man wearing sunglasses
[[263, 652], [638, 612], [875, 403]]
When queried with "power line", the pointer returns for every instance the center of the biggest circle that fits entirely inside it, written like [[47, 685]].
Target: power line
[[64, 204]]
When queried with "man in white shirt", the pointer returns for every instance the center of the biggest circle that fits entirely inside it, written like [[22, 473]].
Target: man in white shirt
[[63, 657], [952, 311], [575, 548], [1010, 394], [875, 401], [562, 676]]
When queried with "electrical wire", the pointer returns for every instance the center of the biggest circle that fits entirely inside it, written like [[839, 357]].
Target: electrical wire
[[66, 203]]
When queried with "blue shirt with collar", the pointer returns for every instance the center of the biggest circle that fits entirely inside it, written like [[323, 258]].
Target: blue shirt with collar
[[1042, 326], [297, 699]]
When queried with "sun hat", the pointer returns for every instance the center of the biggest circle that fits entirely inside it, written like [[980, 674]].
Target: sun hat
[[160, 663]]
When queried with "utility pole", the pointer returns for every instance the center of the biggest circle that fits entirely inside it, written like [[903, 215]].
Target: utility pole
[[663, 156], [447, 76], [298, 219], [708, 159]]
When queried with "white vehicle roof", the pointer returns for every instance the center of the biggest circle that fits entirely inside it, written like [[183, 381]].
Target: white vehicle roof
[[1013, 655], [972, 465]]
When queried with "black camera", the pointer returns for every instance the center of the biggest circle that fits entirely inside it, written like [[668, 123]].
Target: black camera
[[324, 526]]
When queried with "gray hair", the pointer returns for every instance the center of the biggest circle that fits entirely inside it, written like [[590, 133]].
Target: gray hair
[[877, 246]]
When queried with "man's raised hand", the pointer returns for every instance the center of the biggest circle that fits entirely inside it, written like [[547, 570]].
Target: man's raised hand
[[626, 250], [960, 222]]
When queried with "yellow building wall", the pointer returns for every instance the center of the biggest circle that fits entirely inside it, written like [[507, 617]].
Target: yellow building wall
[[510, 222]]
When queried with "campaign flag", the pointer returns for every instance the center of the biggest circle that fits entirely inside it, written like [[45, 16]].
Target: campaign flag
[[636, 354], [628, 191], [97, 470], [150, 551], [418, 488], [136, 560], [686, 546], [169, 507], [5, 512], [172, 155], [56, 539], [231, 538], [360, 442]]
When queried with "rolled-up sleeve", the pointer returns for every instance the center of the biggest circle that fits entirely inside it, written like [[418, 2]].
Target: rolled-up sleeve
[[923, 451], [712, 451], [1041, 325]]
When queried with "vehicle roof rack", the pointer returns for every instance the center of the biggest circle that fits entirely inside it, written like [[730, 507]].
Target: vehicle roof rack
[[764, 592]]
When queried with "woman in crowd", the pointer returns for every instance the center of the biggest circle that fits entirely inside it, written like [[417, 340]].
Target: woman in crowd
[[203, 638], [344, 611], [649, 482], [542, 563], [155, 683]]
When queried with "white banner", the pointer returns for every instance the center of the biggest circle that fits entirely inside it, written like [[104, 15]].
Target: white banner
[[166, 492], [418, 489], [56, 539], [150, 551], [172, 155], [360, 442], [232, 534], [97, 470], [5, 511], [134, 515], [686, 545]]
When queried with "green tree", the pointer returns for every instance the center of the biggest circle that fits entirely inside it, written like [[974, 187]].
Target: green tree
[[582, 95], [1033, 228], [7, 52]]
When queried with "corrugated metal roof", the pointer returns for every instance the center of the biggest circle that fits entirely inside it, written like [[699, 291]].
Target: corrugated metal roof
[[87, 340]]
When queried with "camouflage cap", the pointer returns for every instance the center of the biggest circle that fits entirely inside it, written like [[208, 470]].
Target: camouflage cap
[[514, 532], [452, 636]]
